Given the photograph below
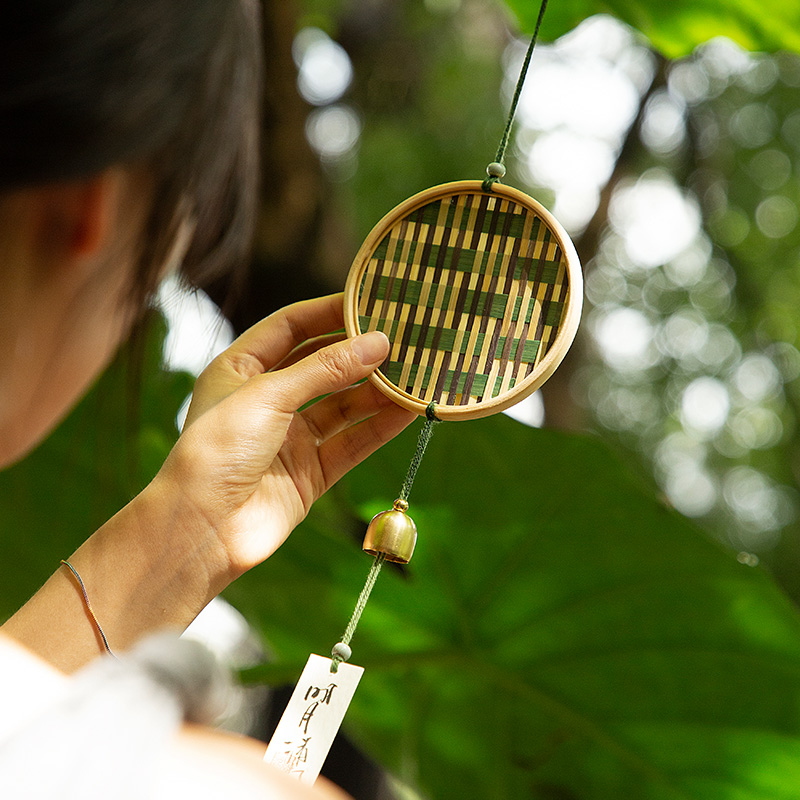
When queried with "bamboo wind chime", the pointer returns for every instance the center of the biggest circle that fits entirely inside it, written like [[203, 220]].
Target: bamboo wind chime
[[479, 291]]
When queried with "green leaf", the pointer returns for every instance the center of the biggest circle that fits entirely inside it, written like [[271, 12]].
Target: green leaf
[[558, 634], [676, 28]]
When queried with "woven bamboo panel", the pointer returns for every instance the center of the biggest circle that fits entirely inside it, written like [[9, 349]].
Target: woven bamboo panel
[[477, 292]]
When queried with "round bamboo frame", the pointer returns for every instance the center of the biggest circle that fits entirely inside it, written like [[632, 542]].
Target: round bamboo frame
[[564, 332]]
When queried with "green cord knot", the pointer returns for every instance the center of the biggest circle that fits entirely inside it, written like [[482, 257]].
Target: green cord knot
[[430, 412]]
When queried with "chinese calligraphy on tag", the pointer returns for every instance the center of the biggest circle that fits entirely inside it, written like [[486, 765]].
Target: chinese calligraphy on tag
[[312, 718]]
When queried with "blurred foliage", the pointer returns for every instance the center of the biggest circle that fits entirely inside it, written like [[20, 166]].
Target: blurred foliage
[[675, 29], [561, 633], [718, 319]]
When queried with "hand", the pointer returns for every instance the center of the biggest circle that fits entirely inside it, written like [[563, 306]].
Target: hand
[[254, 455]]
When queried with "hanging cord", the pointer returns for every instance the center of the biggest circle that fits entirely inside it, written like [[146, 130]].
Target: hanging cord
[[341, 650], [431, 420], [497, 169]]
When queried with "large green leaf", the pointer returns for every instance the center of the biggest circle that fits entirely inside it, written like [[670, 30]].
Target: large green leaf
[[559, 633], [676, 28]]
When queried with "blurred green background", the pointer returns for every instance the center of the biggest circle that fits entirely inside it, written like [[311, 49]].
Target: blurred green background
[[602, 600]]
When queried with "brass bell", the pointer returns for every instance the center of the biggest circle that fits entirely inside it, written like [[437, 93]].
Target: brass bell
[[392, 533]]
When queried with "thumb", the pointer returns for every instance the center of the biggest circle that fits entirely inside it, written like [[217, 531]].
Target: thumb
[[327, 370]]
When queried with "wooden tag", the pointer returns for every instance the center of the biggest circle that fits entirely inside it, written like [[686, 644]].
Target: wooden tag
[[312, 718]]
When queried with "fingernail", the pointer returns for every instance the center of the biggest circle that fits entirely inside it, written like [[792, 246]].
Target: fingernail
[[371, 348]]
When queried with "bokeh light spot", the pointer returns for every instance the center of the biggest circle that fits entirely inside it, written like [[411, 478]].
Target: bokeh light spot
[[770, 169], [776, 216], [333, 131], [753, 125], [656, 220], [624, 336], [324, 68], [663, 128], [757, 378], [705, 405]]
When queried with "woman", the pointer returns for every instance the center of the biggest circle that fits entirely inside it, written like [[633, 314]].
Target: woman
[[128, 139]]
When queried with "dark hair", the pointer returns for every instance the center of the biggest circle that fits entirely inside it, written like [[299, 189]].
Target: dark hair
[[171, 85]]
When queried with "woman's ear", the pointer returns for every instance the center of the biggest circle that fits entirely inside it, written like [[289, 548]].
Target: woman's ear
[[74, 222]]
